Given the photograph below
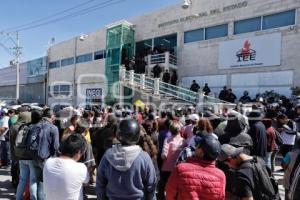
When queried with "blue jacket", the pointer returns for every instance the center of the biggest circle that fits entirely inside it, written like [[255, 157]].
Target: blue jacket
[[126, 173], [49, 140]]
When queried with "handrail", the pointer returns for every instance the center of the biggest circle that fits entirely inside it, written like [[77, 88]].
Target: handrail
[[172, 90]]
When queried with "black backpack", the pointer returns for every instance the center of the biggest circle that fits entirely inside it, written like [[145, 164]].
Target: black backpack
[[266, 186], [27, 142], [21, 143]]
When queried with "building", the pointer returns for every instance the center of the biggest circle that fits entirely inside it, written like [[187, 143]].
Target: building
[[246, 45], [32, 81]]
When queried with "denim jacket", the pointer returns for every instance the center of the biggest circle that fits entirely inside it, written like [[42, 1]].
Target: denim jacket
[[49, 140]]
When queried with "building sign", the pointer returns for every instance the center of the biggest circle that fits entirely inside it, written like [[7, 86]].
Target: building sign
[[205, 14], [93, 96], [251, 52]]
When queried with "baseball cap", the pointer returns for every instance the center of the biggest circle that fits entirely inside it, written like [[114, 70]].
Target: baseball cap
[[210, 146], [194, 117], [229, 151]]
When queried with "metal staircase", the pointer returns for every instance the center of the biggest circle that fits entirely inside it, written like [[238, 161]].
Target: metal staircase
[[154, 87]]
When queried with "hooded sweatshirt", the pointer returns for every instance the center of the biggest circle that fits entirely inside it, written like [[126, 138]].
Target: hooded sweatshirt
[[126, 172]]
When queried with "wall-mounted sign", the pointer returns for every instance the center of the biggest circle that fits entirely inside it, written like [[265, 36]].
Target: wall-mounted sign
[[251, 52], [93, 96], [205, 14]]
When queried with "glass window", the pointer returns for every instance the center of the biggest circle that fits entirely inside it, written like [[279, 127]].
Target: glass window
[[67, 61], [143, 48], [195, 35], [165, 43], [247, 25], [37, 67], [99, 55], [84, 58], [61, 90], [65, 90], [216, 31], [56, 89], [55, 64], [280, 19]]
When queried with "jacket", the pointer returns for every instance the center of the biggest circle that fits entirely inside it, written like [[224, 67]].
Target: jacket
[[126, 173], [49, 140], [259, 137], [196, 179]]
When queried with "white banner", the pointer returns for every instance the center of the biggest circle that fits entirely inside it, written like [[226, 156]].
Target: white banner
[[251, 52]]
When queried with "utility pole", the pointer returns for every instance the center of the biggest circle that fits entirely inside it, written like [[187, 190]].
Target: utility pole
[[18, 53], [16, 61]]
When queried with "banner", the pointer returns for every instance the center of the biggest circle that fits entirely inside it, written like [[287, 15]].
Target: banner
[[257, 51]]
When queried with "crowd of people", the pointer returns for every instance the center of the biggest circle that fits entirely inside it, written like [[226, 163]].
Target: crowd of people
[[145, 153]]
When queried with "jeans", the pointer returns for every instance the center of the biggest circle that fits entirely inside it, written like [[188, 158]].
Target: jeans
[[27, 172], [268, 160], [38, 167], [4, 150]]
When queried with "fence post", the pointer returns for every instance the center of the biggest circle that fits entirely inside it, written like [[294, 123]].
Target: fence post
[[156, 86], [142, 81], [123, 74], [131, 77], [167, 60]]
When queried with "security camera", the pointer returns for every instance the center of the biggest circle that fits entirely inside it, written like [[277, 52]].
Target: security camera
[[186, 4], [83, 37]]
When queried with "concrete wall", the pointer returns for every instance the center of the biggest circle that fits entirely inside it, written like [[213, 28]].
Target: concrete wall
[[90, 73], [197, 60]]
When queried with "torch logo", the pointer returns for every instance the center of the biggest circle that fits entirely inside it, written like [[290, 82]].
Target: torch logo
[[246, 53]]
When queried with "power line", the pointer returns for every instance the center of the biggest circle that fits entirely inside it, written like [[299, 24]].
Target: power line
[[49, 16], [6, 49], [104, 4]]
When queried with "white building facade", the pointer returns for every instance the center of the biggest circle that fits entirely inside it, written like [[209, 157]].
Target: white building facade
[[248, 45]]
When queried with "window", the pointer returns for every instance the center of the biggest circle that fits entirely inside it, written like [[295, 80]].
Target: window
[[56, 90], [84, 58], [247, 25], [67, 61], [55, 64], [216, 31], [99, 55], [193, 36], [37, 67], [279, 20], [65, 90], [62, 90], [166, 43]]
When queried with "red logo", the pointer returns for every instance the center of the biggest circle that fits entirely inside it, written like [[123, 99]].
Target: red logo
[[246, 53]]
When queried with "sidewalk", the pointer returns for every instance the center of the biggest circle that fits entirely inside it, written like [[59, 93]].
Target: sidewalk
[[6, 189]]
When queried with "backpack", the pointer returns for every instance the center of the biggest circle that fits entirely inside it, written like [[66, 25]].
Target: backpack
[[21, 150], [27, 141], [266, 186]]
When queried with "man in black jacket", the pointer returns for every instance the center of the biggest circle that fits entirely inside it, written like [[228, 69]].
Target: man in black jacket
[[195, 87], [258, 134]]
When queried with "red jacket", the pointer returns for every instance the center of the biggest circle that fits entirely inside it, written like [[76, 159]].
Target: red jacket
[[196, 180]]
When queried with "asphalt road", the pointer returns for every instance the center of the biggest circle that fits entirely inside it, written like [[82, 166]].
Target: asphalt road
[[7, 192]]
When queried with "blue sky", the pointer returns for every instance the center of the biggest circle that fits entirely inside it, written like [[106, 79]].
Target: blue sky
[[35, 42]]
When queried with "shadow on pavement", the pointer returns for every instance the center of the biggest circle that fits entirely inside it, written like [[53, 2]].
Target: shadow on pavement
[[6, 189]]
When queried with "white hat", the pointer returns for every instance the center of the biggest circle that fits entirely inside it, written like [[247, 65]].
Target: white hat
[[194, 117]]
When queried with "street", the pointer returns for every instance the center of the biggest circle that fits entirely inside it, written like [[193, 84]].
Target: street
[[7, 192]]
